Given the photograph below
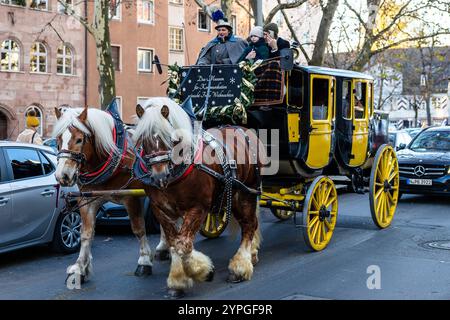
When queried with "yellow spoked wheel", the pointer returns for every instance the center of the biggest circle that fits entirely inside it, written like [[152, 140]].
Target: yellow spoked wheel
[[320, 213], [214, 226], [282, 214], [384, 186]]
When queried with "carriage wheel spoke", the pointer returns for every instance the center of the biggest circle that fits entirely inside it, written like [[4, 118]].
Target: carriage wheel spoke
[[329, 225]]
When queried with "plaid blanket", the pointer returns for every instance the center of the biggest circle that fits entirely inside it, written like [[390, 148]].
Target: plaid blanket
[[269, 89]]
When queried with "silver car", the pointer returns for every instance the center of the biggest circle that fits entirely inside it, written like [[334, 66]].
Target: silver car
[[31, 207]]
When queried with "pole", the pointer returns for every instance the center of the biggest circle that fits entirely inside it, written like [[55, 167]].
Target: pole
[[448, 101], [259, 13]]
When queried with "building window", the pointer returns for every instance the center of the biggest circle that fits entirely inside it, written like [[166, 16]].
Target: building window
[[203, 21], [9, 56], [146, 11], [38, 58], [176, 1], [145, 58], [175, 39], [61, 8], [15, 2], [64, 60], [38, 112], [118, 12], [39, 4], [115, 53]]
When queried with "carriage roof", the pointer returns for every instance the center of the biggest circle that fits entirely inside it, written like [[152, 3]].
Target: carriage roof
[[335, 72]]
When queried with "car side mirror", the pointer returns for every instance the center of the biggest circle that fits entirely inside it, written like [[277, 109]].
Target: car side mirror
[[401, 146]]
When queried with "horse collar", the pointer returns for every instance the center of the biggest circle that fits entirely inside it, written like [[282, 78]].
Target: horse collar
[[109, 168]]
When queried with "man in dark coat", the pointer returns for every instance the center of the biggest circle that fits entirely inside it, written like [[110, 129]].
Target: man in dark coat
[[275, 43], [224, 49]]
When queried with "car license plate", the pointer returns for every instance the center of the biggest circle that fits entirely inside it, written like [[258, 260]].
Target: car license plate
[[420, 182]]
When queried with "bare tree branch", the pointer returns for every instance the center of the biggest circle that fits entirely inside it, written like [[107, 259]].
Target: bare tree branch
[[282, 6], [291, 29], [206, 8], [245, 9], [83, 20], [428, 36]]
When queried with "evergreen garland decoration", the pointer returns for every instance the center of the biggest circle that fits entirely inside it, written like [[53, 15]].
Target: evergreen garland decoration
[[174, 78]]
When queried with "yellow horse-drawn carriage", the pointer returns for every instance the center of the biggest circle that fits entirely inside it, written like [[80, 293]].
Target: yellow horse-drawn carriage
[[328, 128]]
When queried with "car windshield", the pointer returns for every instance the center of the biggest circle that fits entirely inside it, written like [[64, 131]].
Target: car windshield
[[432, 140]]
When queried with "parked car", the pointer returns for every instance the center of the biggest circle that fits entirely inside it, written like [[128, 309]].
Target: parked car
[[115, 214], [398, 138], [31, 207], [425, 163], [413, 132]]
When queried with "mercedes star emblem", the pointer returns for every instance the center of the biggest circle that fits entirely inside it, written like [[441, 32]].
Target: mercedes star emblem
[[419, 171]]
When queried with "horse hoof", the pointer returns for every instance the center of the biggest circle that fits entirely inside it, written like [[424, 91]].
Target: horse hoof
[[143, 270], [175, 293], [210, 276], [162, 255], [233, 278], [70, 282]]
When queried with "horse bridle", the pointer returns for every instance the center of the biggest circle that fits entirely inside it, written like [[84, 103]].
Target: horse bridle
[[78, 157]]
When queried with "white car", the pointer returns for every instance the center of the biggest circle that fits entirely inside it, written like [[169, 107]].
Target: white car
[[399, 139]]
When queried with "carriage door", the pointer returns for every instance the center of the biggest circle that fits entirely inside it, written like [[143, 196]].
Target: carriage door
[[360, 138], [321, 118]]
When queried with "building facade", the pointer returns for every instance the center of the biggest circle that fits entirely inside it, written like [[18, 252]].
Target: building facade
[[407, 80], [174, 30], [42, 63]]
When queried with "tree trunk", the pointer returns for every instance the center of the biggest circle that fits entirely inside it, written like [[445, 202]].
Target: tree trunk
[[323, 34], [105, 66], [428, 97], [226, 8], [366, 50]]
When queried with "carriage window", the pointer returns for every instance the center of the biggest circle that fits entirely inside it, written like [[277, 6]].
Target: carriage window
[[370, 99], [295, 89], [346, 97], [320, 96], [360, 92]]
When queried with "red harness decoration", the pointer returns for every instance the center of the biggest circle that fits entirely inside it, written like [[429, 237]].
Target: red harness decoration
[[100, 171]]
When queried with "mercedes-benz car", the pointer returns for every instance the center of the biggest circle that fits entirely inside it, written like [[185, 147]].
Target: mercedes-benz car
[[425, 163]]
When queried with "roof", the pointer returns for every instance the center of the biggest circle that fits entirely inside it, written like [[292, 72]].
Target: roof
[[336, 72], [5, 143], [441, 128]]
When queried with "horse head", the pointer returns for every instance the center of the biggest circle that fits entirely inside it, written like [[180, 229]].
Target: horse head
[[164, 132], [78, 141]]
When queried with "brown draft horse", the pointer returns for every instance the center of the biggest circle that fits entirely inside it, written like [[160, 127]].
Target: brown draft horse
[[182, 205], [86, 142]]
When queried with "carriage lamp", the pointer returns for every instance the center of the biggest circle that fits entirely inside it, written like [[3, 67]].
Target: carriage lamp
[[448, 170]]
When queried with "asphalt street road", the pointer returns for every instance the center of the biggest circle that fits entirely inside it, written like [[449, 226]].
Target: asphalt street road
[[407, 266]]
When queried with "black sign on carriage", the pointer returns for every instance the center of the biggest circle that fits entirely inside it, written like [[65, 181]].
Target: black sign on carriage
[[225, 85]]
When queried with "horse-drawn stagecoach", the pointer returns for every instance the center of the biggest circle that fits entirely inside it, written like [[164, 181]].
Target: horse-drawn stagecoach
[[327, 127]]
